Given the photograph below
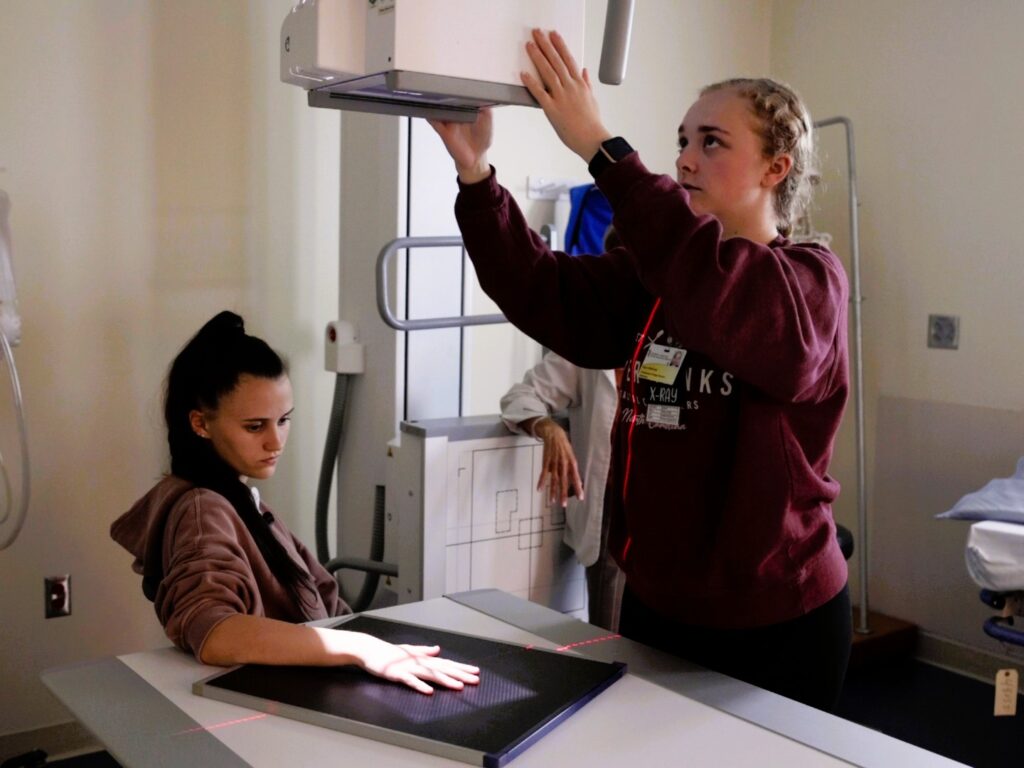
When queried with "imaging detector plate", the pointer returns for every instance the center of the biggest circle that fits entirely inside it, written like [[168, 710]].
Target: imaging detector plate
[[523, 694]]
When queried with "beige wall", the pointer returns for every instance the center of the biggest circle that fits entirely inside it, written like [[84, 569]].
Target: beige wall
[[157, 173], [928, 86]]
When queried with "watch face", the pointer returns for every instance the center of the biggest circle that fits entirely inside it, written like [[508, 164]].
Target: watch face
[[617, 147], [612, 150]]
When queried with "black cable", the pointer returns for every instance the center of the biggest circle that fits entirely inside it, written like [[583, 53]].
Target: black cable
[[332, 447], [373, 568]]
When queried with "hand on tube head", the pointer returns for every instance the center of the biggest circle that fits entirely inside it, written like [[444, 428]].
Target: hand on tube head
[[565, 95], [559, 470], [468, 143], [411, 665]]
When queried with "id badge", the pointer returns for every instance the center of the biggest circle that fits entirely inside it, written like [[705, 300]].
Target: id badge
[[663, 415], [662, 364]]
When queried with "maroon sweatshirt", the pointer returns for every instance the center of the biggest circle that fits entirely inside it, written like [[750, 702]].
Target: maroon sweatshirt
[[735, 384]]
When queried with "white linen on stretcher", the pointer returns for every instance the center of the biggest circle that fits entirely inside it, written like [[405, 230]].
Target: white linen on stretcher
[[995, 555]]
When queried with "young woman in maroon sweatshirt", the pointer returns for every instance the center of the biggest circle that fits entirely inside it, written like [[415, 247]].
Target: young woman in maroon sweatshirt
[[229, 582], [723, 521]]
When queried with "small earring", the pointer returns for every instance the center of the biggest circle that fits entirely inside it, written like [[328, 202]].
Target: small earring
[[202, 435]]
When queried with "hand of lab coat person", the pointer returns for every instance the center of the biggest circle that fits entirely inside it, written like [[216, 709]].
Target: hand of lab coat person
[[559, 469], [565, 94]]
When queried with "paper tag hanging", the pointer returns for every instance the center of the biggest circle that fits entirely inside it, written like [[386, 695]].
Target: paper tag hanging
[[1006, 693]]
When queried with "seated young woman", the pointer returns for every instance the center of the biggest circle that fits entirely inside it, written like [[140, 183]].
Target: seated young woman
[[229, 582]]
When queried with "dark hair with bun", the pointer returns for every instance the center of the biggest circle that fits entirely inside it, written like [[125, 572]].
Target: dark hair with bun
[[207, 368]]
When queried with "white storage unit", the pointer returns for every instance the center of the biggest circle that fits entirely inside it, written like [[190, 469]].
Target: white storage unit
[[464, 513]]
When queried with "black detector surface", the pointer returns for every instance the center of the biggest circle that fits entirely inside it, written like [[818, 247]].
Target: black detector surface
[[523, 694]]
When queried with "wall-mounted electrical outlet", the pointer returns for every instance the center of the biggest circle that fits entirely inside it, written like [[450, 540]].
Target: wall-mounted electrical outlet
[[943, 331], [58, 595]]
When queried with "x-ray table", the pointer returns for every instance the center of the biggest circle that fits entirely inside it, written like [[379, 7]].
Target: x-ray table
[[663, 712]]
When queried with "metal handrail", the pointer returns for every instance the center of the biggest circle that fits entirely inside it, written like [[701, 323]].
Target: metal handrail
[[383, 261], [856, 299]]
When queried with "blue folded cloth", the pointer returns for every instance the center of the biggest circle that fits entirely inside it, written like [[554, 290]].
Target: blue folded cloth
[[1000, 499]]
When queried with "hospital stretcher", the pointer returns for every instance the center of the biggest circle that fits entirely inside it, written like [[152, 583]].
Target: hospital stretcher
[[995, 561]]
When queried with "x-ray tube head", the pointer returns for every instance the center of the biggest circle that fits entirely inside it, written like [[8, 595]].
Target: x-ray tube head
[[442, 59]]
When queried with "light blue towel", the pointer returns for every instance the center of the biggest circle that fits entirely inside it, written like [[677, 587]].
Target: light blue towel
[[1000, 499]]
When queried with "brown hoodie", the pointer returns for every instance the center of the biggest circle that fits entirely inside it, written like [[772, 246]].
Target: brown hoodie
[[202, 564]]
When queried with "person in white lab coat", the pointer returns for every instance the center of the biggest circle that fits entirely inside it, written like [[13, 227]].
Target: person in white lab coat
[[575, 467]]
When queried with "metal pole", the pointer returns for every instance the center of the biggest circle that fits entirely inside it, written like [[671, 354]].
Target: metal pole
[[858, 371]]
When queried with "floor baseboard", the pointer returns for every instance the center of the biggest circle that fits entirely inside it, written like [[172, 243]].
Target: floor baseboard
[[57, 741], [889, 639], [964, 659]]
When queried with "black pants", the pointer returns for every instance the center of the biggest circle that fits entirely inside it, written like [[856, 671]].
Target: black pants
[[803, 659]]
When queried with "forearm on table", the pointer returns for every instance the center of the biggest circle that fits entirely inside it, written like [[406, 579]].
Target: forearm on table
[[243, 639]]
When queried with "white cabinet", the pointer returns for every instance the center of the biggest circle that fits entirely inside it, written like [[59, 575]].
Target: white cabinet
[[464, 514]]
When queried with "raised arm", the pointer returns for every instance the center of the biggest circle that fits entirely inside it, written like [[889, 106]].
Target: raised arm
[[468, 143], [565, 94], [773, 315], [586, 308]]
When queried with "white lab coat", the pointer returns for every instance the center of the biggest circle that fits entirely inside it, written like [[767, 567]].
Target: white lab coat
[[589, 396]]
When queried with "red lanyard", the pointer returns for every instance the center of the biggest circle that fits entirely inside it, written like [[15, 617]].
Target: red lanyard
[[632, 395]]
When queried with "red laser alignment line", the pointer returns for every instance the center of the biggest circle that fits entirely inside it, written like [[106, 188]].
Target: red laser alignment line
[[578, 644], [225, 724], [592, 641]]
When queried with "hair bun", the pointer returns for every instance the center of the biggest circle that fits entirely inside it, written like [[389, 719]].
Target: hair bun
[[223, 324]]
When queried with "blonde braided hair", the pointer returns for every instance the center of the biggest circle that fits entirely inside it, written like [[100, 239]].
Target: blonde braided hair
[[786, 129]]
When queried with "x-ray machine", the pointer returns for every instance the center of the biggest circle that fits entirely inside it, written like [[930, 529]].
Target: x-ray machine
[[455, 498]]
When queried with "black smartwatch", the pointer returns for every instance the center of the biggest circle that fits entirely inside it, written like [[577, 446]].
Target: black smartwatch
[[611, 151]]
